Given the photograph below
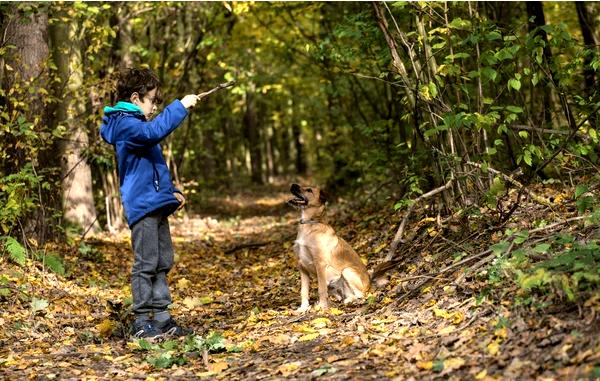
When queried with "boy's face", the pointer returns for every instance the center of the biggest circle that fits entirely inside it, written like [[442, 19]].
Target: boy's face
[[148, 104]]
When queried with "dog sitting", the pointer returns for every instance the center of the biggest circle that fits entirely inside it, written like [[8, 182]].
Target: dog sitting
[[321, 253]]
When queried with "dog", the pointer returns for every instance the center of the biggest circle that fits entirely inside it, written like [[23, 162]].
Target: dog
[[322, 253]]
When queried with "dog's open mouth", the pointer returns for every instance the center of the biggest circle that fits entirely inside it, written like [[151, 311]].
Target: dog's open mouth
[[300, 199]]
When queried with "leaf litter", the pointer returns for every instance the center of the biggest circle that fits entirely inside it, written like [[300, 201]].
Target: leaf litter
[[235, 283]]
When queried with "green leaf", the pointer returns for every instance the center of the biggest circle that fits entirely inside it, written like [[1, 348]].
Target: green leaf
[[489, 73], [514, 83], [515, 109], [537, 279], [542, 248], [55, 264], [521, 236], [580, 189], [38, 305], [215, 342], [15, 251], [527, 158], [438, 366], [500, 248], [432, 89]]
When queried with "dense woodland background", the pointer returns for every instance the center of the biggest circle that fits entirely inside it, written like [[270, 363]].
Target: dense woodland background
[[382, 99], [459, 139]]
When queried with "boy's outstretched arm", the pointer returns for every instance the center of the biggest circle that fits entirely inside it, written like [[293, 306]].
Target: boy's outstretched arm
[[152, 132]]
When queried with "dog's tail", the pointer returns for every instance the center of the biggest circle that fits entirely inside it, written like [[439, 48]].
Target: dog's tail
[[377, 276]]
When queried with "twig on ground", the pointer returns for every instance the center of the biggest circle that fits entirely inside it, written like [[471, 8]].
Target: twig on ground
[[398, 237], [533, 195]]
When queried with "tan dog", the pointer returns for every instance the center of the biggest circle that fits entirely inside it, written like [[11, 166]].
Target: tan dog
[[321, 252]]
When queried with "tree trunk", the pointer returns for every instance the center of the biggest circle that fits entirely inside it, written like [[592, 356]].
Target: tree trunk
[[77, 196], [586, 23], [252, 134], [29, 36]]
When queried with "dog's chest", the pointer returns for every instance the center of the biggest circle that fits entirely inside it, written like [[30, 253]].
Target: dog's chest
[[307, 246]]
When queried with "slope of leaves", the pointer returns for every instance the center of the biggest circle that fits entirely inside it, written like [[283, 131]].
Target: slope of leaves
[[236, 284]]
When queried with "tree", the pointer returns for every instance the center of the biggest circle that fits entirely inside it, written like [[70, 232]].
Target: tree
[[26, 159], [77, 190]]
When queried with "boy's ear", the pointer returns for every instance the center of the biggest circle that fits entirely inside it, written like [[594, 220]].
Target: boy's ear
[[134, 97]]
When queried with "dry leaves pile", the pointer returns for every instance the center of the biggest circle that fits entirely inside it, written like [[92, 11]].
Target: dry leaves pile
[[236, 285]]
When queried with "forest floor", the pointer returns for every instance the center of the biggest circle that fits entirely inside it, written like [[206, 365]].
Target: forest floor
[[236, 284]]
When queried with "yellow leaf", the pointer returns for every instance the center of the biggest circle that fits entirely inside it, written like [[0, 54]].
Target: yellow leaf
[[192, 303], [335, 311], [446, 330], [321, 322], [302, 328], [440, 313], [481, 375], [309, 337], [380, 247], [453, 363], [216, 367], [501, 333], [493, 348], [106, 328], [426, 365], [183, 283], [288, 368], [458, 317]]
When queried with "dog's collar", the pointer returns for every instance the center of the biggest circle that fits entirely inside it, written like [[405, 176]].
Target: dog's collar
[[309, 222]]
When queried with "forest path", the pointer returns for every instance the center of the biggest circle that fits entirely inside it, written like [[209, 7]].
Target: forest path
[[235, 282]]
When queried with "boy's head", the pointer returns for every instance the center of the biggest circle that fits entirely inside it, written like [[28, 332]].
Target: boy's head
[[141, 87]]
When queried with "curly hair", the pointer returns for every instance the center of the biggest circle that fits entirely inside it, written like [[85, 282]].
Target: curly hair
[[137, 80]]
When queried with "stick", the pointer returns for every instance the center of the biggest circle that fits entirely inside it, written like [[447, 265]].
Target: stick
[[221, 86], [398, 238], [534, 197]]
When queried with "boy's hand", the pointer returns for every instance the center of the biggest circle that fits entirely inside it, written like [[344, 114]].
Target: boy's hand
[[179, 198], [190, 100]]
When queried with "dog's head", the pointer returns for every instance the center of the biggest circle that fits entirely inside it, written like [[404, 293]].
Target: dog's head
[[307, 197]]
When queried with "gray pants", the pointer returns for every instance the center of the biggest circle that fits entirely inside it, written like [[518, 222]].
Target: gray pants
[[153, 250]]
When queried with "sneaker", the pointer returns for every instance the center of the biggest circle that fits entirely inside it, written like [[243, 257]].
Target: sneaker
[[170, 328], [145, 330]]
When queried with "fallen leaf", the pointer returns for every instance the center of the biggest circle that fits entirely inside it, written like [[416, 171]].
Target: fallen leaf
[[321, 322], [216, 367], [106, 328], [309, 337], [288, 368], [183, 284], [493, 348]]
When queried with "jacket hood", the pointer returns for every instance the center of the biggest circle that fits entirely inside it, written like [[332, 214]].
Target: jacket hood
[[123, 107], [112, 116]]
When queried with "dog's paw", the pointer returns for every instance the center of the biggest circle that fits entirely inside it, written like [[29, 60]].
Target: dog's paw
[[303, 308]]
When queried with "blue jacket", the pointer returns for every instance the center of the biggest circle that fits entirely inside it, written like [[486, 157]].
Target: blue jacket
[[146, 184]]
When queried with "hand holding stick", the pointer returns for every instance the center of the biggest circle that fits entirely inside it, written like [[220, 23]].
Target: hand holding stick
[[221, 86]]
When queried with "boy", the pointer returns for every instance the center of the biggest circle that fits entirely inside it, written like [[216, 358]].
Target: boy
[[147, 193]]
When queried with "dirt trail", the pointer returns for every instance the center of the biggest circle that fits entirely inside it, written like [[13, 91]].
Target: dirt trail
[[235, 274]]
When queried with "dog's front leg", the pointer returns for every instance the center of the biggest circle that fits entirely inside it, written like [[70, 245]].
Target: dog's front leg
[[322, 285], [304, 291]]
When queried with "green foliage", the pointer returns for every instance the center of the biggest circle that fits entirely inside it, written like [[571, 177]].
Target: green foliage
[[19, 196], [172, 352], [16, 252], [573, 273], [54, 263]]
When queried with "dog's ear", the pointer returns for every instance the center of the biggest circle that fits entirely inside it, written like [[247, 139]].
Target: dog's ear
[[323, 196]]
